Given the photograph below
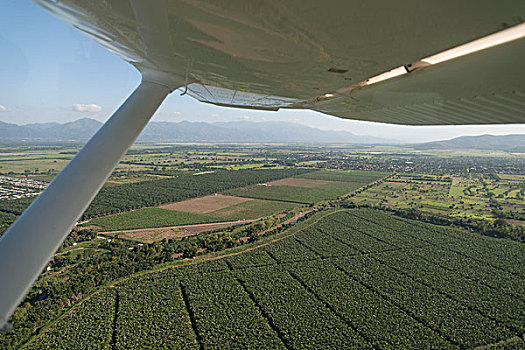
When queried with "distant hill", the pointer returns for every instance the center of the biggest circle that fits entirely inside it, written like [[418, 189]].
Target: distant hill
[[508, 143], [273, 132], [76, 130]]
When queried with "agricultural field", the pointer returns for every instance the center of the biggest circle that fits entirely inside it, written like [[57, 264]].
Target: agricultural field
[[253, 208], [169, 159], [171, 187], [205, 205], [294, 194], [247, 246], [84, 327], [151, 235], [299, 182], [311, 187], [33, 166], [358, 176], [481, 197], [230, 207], [512, 177], [359, 278], [149, 217]]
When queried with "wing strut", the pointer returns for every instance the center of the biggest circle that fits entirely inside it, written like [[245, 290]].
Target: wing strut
[[27, 246]]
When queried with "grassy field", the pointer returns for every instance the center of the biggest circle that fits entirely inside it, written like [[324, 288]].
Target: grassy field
[[22, 166], [361, 279], [510, 177], [150, 217]]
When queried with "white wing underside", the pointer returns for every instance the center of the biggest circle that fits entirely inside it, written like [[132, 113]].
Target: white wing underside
[[290, 54]]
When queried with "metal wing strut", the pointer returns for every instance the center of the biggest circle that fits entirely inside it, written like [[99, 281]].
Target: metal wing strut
[[25, 249]]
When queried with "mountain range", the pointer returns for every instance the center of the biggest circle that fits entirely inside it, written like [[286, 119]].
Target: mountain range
[[242, 131], [508, 143]]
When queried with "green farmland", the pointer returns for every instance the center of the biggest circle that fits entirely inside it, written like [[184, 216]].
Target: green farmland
[[360, 279], [338, 250], [150, 217], [333, 184], [296, 194]]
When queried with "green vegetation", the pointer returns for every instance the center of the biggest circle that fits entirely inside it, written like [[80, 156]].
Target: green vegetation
[[84, 327], [357, 278], [335, 278], [130, 196], [487, 203], [115, 198], [150, 217], [296, 194], [135, 328]]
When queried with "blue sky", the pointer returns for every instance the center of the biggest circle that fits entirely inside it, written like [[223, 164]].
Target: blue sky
[[51, 72]]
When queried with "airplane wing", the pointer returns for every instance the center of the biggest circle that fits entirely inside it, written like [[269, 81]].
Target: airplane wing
[[321, 55], [403, 62]]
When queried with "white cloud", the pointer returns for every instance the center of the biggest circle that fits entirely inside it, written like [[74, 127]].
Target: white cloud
[[3, 108], [214, 115], [176, 113], [79, 107]]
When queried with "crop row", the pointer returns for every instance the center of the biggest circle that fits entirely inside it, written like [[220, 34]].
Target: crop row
[[303, 321], [447, 316], [382, 322], [491, 302], [474, 293], [151, 314], [224, 315], [503, 254], [150, 217], [472, 269], [325, 245], [328, 286]]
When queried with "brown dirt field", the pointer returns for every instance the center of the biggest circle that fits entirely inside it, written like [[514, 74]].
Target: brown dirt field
[[90, 227], [515, 222], [150, 235], [298, 182], [205, 205]]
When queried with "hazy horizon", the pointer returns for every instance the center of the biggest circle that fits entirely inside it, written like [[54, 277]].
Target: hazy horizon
[[392, 139]]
